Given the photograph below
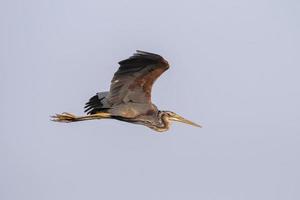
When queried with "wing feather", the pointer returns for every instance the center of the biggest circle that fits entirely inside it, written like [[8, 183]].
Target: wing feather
[[134, 79]]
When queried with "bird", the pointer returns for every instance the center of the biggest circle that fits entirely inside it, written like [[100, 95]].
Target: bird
[[129, 96]]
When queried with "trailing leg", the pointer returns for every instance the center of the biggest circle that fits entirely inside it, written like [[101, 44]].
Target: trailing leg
[[67, 117]]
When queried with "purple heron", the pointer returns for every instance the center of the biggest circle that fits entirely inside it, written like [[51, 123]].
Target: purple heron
[[129, 97]]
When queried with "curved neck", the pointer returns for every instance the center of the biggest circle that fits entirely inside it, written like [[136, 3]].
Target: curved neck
[[164, 123]]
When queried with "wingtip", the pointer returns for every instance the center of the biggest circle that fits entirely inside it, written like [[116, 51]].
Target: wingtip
[[140, 51], [145, 52]]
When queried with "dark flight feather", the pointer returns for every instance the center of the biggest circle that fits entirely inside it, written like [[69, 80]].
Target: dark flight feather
[[95, 104]]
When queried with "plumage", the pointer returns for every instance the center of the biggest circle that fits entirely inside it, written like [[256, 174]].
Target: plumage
[[129, 97]]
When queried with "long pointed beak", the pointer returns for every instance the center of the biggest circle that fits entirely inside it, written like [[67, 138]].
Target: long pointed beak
[[183, 120]]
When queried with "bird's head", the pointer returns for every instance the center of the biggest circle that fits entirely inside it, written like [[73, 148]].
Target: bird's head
[[171, 116]]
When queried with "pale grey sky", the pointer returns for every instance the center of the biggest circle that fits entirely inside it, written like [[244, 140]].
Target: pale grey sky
[[234, 69]]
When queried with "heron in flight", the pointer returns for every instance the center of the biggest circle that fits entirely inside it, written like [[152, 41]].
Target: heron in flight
[[129, 97]]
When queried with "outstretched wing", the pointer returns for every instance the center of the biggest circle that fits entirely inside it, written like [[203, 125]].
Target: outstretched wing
[[134, 79]]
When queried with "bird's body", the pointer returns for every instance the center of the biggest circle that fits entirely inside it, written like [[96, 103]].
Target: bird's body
[[129, 97]]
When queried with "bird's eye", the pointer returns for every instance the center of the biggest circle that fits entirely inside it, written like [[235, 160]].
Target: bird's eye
[[169, 114]]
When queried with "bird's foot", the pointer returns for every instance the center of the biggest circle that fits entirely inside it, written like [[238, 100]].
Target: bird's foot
[[64, 117]]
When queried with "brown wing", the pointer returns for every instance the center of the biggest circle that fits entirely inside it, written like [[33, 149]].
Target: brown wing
[[134, 79]]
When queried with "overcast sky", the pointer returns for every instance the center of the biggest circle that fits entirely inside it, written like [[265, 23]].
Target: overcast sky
[[234, 69]]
